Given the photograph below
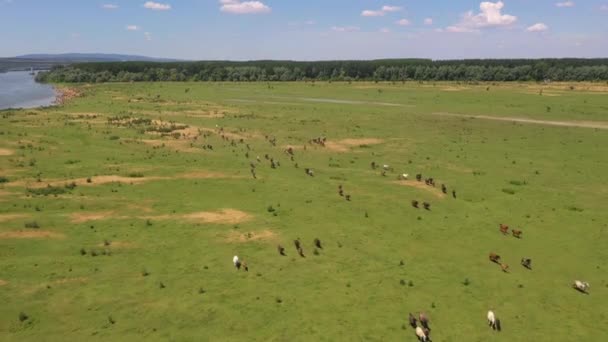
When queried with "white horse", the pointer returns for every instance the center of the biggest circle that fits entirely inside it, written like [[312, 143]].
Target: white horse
[[582, 286], [421, 334], [492, 319], [235, 260]]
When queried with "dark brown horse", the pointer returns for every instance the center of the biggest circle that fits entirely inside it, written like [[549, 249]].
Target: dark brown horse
[[412, 321], [494, 258]]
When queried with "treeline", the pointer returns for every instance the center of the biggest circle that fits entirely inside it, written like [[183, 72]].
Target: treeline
[[375, 70]]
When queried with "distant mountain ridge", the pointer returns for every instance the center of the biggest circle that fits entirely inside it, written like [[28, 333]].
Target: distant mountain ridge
[[94, 57], [47, 61]]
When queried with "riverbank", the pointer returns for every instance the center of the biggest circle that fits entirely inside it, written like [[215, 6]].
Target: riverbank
[[64, 94]]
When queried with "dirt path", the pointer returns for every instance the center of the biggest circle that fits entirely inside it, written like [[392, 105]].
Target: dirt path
[[578, 124]]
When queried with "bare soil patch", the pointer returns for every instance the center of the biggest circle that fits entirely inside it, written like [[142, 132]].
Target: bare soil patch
[[11, 217], [96, 180], [345, 145], [119, 244], [6, 152], [66, 94], [3, 282], [223, 216], [31, 234], [85, 217], [579, 124], [421, 185], [264, 235]]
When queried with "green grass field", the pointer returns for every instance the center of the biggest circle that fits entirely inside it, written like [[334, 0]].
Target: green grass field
[[140, 243]]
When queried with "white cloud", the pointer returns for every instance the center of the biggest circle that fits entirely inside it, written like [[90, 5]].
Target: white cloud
[[489, 16], [244, 7], [403, 22], [148, 36], [538, 27], [604, 8], [157, 6], [109, 6], [345, 28], [428, 21], [133, 28], [391, 8], [310, 22], [385, 30], [565, 4], [381, 12]]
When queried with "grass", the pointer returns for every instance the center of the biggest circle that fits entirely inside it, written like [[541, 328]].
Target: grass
[[381, 257]]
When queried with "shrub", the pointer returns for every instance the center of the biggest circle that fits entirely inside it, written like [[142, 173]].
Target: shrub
[[136, 175], [517, 183], [32, 224], [270, 209], [145, 273], [508, 191], [3, 179], [23, 316], [161, 285], [111, 320], [114, 137], [83, 251], [402, 282], [573, 208], [106, 242], [466, 282], [410, 283], [93, 253], [279, 300], [49, 190], [201, 290], [148, 222], [89, 180]]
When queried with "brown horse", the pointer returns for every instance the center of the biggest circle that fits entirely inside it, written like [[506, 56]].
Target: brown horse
[[415, 204], [516, 233], [281, 250], [504, 228], [412, 320], [505, 268], [494, 258], [424, 321]]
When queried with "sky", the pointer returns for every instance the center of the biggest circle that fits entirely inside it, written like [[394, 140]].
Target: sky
[[307, 29]]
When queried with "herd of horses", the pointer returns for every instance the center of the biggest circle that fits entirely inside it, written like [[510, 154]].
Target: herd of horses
[[423, 331]]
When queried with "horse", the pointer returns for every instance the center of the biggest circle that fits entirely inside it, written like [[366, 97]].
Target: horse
[[516, 233]]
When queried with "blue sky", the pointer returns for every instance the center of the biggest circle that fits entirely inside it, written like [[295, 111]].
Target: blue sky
[[307, 29]]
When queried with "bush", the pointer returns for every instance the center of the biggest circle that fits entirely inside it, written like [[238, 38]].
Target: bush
[[466, 282], [279, 300], [111, 320], [145, 273], [49, 190], [508, 191], [402, 282], [32, 224], [83, 251], [161, 285], [3, 179], [114, 137], [136, 175], [23, 316], [410, 283]]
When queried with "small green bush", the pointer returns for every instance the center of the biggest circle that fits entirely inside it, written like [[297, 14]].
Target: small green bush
[[32, 225]]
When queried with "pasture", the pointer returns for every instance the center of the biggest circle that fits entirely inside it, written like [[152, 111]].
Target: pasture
[[121, 210]]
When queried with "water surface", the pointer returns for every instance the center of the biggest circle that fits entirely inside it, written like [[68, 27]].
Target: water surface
[[19, 90]]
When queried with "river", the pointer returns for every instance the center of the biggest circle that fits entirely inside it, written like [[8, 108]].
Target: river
[[19, 90]]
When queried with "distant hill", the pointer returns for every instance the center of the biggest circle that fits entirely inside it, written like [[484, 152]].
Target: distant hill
[[94, 57], [47, 61]]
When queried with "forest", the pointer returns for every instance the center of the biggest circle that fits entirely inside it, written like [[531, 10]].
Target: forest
[[478, 70]]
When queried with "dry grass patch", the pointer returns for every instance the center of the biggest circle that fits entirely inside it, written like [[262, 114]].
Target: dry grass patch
[[3, 282], [264, 235], [119, 244], [31, 234], [86, 217], [421, 185], [11, 217], [345, 145], [223, 216], [6, 152]]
